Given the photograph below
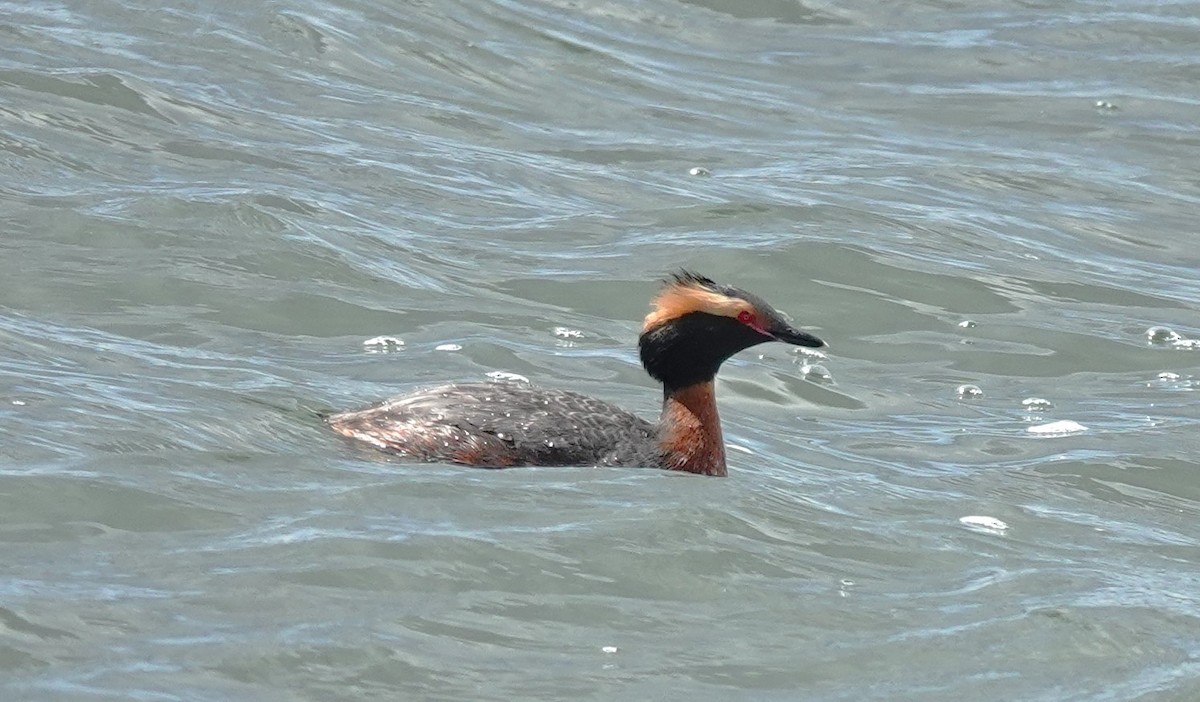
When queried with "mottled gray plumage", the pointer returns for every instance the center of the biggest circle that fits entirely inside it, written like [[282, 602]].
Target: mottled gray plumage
[[504, 424]]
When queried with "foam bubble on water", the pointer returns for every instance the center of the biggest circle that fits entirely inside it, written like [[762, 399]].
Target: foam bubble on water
[[506, 377], [983, 523], [968, 324], [1105, 105], [383, 344], [804, 354], [609, 649], [567, 333], [1037, 404], [1163, 335], [1186, 344], [1173, 381], [1063, 427], [448, 347], [816, 373], [700, 171], [19, 403], [968, 391]]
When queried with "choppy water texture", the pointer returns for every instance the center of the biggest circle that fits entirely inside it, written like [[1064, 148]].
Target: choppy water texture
[[206, 208]]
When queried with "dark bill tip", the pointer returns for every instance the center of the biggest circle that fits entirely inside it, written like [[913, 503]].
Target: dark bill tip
[[791, 335]]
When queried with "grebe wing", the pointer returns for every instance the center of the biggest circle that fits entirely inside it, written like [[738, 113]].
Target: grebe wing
[[503, 424]]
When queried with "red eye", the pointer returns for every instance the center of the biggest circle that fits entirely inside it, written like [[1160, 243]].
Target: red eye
[[746, 317]]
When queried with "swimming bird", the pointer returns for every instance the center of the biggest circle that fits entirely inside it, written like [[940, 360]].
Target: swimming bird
[[694, 325]]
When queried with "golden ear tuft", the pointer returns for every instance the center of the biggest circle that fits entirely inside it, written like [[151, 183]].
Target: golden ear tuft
[[686, 292]]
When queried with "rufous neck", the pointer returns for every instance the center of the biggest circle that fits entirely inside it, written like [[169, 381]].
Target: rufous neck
[[690, 430]]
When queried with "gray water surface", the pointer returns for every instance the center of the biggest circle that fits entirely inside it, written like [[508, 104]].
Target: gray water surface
[[206, 209]]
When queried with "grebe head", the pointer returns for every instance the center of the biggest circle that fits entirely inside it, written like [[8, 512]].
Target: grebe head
[[696, 324]]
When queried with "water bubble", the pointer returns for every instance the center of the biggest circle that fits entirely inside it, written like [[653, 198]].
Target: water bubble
[[383, 344], [567, 333], [968, 324], [448, 347], [505, 376], [1186, 344], [1060, 428], [1105, 105], [968, 391], [19, 403], [1037, 404], [983, 523], [806, 353], [609, 649], [699, 171], [1168, 375], [816, 373], [1162, 335]]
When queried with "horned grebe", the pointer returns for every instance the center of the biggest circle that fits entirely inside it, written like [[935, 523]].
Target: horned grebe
[[694, 325]]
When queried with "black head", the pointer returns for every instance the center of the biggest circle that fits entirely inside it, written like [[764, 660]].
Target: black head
[[696, 324]]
